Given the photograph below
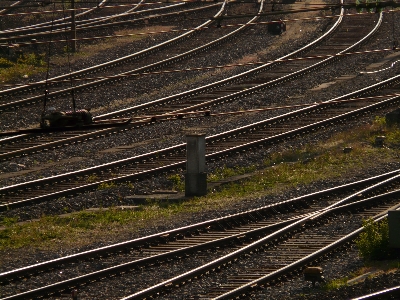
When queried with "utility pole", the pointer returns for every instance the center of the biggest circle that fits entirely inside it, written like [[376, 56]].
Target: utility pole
[[73, 27]]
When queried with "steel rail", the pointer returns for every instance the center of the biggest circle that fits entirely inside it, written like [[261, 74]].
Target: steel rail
[[13, 5], [143, 69], [251, 247], [299, 263], [219, 241], [82, 172], [226, 81], [86, 25], [244, 26], [195, 91], [35, 26], [171, 234], [285, 78], [384, 294], [131, 12], [67, 284], [181, 162], [103, 66]]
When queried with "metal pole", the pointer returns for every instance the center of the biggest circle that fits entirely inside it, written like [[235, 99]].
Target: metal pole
[[73, 27]]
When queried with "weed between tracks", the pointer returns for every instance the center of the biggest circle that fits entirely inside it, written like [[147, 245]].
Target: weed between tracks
[[279, 171], [24, 66]]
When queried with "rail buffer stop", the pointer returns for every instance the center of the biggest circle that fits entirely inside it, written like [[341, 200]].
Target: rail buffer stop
[[195, 177]]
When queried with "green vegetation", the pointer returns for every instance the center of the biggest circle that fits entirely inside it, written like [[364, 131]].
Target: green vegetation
[[107, 185], [7, 222], [92, 178], [26, 65], [335, 284], [278, 172], [177, 183], [225, 172], [373, 243]]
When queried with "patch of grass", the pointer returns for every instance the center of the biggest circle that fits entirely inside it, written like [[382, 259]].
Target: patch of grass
[[335, 284], [7, 222], [44, 232], [373, 243], [5, 63], [28, 65], [225, 172], [385, 265], [92, 178], [107, 185], [178, 183]]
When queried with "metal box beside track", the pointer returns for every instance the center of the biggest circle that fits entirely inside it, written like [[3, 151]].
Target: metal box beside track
[[394, 228]]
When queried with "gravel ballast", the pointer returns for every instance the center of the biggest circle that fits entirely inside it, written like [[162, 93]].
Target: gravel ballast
[[75, 157]]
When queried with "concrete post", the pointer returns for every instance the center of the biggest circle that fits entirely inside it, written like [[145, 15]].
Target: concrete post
[[394, 228], [195, 177]]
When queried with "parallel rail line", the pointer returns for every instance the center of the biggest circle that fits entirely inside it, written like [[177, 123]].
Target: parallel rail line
[[29, 88], [302, 244], [243, 232], [189, 101], [248, 137], [132, 18]]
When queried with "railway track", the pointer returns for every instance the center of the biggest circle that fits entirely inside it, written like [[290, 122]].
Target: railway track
[[38, 26], [215, 41], [233, 136], [10, 6], [58, 28], [386, 293], [256, 135], [283, 227], [210, 95], [232, 281], [62, 82], [268, 265], [62, 22]]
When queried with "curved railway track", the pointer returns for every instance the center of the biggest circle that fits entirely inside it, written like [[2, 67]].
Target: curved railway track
[[254, 238], [60, 22], [20, 30], [233, 144], [230, 89], [256, 135], [65, 78], [214, 42], [259, 232], [102, 7], [58, 28], [137, 65]]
